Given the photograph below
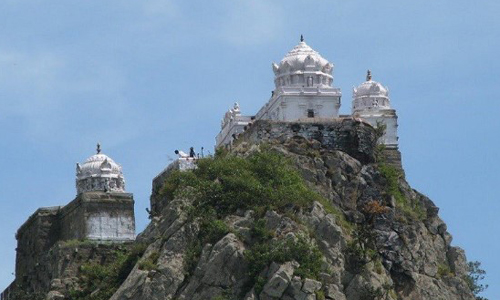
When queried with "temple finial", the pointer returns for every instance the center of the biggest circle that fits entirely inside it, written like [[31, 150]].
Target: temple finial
[[301, 38], [98, 148], [368, 75]]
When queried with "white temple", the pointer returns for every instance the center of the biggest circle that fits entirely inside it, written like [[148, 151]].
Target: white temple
[[232, 124], [370, 102], [304, 91], [99, 173]]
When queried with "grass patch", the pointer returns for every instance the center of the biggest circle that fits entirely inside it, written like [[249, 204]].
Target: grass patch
[[150, 263], [340, 219], [100, 282], [263, 181], [444, 271], [302, 251], [392, 175], [320, 295]]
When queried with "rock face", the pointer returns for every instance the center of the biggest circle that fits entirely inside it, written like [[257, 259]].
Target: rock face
[[410, 256], [375, 237]]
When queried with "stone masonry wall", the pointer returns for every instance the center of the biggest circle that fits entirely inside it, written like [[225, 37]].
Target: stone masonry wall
[[57, 269], [155, 200], [35, 237], [92, 215], [345, 134], [99, 216]]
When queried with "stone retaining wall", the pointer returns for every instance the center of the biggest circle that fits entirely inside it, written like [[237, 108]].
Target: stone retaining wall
[[356, 138]]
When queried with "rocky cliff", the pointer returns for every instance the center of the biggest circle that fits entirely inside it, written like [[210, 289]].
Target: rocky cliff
[[290, 212]]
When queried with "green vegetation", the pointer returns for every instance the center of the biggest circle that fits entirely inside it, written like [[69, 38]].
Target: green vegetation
[[378, 266], [77, 243], [259, 284], [20, 294], [263, 181], [226, 183], [266, 250], [150, 262], [362, 249], [320, 295], [100, 282], [392, 175], [339, 216], [302, 251], [474, 278], [444, 270]]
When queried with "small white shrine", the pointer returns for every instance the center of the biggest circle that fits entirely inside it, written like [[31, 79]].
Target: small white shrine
[[304, 91], [371, 103], [99, 173], [232, 124]]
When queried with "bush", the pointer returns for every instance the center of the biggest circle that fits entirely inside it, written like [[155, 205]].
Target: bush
[[307, 255], [474, 278], [444, 270], [102, 281], [150, 262], [226, 183]]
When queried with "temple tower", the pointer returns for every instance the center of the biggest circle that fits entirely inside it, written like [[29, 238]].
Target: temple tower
[[102, 210], [371, 103], [303, 87]]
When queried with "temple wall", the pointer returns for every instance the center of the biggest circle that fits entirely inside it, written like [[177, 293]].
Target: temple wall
[[294, 105], [99, 216], [43, 240], [58, 267], [345, 134], [389, 119], [34, 238], [158, 201]]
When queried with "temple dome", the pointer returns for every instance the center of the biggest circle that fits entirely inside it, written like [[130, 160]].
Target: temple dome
[[370, 95], [300, 64], [99, 173]]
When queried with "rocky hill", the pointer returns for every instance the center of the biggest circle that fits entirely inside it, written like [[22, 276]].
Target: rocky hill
[[292, 211]]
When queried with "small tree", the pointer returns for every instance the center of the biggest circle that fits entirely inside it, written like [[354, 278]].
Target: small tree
[[474, 278]]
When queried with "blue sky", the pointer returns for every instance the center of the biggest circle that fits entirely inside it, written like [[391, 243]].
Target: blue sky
[[147, 77]]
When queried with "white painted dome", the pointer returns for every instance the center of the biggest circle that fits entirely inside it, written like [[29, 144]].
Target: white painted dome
[[303, 66], [99, 173], [370, 95]]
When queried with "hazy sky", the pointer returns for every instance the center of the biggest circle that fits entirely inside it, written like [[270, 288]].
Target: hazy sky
[[147, 77]]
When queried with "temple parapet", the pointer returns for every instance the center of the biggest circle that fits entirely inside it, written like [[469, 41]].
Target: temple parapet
[[180, 164]]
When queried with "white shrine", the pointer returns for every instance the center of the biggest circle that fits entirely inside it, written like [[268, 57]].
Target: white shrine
[[99, 173], [304, 91], [371, 103]]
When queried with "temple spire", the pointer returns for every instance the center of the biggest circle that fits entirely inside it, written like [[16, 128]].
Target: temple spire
[[368, 75], [301, 38], [98, 148]]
